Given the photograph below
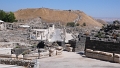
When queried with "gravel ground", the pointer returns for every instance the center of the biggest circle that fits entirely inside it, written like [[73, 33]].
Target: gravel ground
[[74, 60], [10, 66]]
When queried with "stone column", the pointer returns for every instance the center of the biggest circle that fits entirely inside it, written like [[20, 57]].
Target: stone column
[[36, 34], [30, 35], [41, 35], [64, 34]]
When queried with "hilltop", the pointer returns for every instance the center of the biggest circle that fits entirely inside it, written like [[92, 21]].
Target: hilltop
[[52, 15]]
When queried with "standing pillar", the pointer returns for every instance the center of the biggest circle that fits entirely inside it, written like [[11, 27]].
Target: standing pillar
[[47, 36], [41, 35], [36, 35], [30, 35]]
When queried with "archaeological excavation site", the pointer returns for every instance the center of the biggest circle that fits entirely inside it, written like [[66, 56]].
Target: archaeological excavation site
[[49, 38]]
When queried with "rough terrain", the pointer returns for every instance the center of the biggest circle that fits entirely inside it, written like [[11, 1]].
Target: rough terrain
[[10, 66]]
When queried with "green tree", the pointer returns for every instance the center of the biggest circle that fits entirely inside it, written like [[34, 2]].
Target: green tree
[[7, 17], [2, 14], [77, 24], [11, 17]]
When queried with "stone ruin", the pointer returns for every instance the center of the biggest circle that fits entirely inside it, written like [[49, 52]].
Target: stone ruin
[[20, 33], [28, 64], [42, 50], [105, 44], [78, 44]]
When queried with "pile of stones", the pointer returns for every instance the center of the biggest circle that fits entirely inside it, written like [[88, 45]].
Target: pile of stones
[[110, 32], [24, 63], [44, 50], [68, 48]]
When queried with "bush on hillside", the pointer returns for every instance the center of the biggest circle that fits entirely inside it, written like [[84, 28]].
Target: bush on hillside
[[84, 24], [72, 24]]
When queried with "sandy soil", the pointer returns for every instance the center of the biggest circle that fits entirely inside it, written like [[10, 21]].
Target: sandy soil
[[74, 60]]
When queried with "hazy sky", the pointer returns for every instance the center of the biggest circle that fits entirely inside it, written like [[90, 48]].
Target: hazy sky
[[94, 8]]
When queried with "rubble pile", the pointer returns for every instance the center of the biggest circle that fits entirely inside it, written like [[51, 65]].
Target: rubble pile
[[14, 36], [105, 44]]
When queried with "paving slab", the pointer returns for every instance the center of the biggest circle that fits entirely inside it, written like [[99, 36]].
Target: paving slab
[[74, 60]]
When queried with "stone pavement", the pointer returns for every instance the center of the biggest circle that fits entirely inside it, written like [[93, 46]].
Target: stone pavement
[[74, 60]]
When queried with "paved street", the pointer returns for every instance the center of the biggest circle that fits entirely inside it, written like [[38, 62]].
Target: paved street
[[74, 60]]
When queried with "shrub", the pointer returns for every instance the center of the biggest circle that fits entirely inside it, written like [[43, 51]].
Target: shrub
[[84, 24], [70, 24], [77, 24]]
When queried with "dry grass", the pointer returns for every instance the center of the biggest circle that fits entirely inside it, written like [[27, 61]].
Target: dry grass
[[50, 15]]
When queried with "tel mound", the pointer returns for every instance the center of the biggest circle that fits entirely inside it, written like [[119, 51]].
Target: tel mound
[[52, 15]]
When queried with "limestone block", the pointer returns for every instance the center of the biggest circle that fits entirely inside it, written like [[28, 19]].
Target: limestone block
[[67, 45], [96, 54], [89, 53], [13, 56], [59, 50], [52, 52], [30, 56], [89, 50], [44, 54], [69, 49], [101, 55], [20, 56], [109, 56], [117, 58], [106, 56]]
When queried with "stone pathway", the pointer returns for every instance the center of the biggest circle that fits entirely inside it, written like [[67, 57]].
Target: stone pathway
[[74, 60]]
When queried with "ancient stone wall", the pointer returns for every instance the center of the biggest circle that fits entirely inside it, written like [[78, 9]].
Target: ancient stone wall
[[107, 46], [77, 45]]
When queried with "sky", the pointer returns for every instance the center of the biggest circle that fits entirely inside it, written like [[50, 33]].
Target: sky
[[94, 8]]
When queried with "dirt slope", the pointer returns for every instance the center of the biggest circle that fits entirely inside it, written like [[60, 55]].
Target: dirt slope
[[51, 15]]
